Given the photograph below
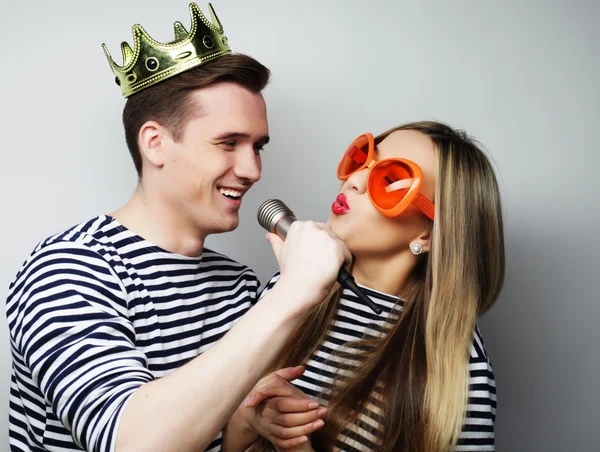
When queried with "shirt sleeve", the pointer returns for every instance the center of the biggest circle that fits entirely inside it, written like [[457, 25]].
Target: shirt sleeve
[[269, 285], [478, 430], [68, 317]]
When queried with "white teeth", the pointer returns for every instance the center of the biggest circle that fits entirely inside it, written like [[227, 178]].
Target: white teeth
[[230, 193]]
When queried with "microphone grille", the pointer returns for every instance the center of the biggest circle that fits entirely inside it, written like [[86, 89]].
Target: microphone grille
[[270, 212]]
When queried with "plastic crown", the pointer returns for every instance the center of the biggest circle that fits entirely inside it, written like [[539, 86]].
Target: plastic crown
[[151, 61]]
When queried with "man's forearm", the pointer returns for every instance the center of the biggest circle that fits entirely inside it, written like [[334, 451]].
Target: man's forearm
[[185, 410]]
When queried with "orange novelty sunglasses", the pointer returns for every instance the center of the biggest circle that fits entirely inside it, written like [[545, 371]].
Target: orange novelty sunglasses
[[392, 184]]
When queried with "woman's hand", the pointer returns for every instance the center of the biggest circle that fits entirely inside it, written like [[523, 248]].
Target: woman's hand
[[281, 413]]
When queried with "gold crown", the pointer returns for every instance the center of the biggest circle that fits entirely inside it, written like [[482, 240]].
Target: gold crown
[[151, 61]]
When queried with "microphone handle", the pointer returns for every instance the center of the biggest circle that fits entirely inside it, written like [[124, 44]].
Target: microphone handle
[[347, 281]]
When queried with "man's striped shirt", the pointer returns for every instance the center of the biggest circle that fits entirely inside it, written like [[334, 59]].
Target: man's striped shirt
[[97, 311], [354, 321]]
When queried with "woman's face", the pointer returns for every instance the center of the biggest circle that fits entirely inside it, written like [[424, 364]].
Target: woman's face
[[363, 228]]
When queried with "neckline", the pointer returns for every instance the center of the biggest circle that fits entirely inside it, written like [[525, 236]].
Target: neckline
[[136, 238]]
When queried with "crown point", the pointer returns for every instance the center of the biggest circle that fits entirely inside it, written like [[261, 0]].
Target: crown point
[[214, 19], [140, 34], [197, 17], [108, 57], [138, 31], [195, 13], [127, 53], [180, 31]]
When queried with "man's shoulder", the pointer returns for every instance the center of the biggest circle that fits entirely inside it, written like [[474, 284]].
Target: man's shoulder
[[79, 258], [100, 230], [89, 240]]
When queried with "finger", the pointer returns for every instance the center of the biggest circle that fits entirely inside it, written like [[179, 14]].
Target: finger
[[290, 420], [280, 390], [290, 373], [277, 386], [272, 386], [285, 444], [276, 243], [279, 377], [292, 404], [287, 373], [251, 398], [283, 433], [348, 257]]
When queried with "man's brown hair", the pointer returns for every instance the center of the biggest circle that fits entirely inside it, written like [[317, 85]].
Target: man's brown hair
[[169, 102]]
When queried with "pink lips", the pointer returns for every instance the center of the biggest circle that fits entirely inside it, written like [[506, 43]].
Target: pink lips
[[340, 205]]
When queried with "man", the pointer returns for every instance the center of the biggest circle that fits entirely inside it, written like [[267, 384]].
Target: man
[[122, 327]]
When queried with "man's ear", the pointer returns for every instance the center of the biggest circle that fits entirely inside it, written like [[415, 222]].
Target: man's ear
[[152, 138]]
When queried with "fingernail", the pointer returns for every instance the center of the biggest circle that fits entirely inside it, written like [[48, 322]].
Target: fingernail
[[322, 412], [302, 440], [248, 400], [313, 405], [318, 424]]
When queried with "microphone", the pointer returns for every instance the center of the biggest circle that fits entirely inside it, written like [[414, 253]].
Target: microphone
[[274, 216]]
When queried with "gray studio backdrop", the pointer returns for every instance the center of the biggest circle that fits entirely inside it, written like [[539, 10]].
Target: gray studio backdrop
[[522, 77]]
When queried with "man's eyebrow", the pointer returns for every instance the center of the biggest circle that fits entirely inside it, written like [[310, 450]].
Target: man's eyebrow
[[229, 135]]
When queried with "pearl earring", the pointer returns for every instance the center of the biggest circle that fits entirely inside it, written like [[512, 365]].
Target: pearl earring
[[416, 248]]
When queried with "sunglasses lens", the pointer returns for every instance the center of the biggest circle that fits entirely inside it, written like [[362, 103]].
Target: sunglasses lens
[[389, 183], [354, 157]]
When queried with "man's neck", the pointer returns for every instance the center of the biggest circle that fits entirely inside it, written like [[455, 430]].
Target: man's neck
[[154, 220]]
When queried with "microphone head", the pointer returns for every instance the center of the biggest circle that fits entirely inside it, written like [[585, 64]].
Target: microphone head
[[271, 212]]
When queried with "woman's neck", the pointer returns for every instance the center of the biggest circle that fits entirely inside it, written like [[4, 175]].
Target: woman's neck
[[387, 274]]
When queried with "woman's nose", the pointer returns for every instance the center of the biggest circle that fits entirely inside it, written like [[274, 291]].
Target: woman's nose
[[358, 180]]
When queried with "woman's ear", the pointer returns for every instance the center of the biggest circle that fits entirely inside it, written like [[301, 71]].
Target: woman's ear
[[151, 141], [426, 244], [422, 243]]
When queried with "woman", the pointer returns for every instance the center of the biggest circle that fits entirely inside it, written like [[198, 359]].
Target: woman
[[420, 210]]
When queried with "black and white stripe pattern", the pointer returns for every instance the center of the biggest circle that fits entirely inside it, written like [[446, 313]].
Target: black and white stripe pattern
[[97, 311], [355, 321]]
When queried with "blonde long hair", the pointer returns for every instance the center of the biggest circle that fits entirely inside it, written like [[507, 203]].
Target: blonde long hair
[[420, 366]]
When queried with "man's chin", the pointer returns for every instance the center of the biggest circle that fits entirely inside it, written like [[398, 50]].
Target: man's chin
[[226, 226]]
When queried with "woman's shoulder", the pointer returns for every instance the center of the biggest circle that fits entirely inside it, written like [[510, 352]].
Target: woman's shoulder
[[481, 374], [478, 352], [270, 284], [482, 382], [481, 414]]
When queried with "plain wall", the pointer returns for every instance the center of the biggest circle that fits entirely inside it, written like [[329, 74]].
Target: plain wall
[[522, 77]]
